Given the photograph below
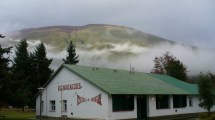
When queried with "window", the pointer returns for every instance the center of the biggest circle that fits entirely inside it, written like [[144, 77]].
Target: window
[[179, 101], [52, 105], [190, 101], [123, 102], [162, 101], [64, 106]]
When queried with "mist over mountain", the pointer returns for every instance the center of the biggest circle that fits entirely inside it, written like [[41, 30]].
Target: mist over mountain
[[112, 46]]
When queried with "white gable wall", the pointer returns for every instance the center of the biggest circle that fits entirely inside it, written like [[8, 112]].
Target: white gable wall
[[87, 109]]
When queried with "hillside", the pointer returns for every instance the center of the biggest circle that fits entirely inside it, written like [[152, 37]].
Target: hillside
[[95, 36], [111, 46]]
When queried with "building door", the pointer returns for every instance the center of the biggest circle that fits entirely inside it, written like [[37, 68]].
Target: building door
[[142, 107]]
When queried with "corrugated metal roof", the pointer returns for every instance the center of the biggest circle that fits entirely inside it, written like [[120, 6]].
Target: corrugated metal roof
[[191, 88], [123, 82]]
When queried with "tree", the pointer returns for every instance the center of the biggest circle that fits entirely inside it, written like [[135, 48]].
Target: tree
[[206, 96], [30, 71], [22, 75], [4, 71], [4, 62], [40, 64], [170, 65], [72, 58], [176, 69], [21, 59]]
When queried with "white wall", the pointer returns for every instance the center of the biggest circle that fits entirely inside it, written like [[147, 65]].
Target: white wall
[[172, 111], [86, 109]]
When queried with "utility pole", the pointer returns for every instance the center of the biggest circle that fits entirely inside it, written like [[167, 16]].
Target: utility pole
[[61, 105], [41, 91]]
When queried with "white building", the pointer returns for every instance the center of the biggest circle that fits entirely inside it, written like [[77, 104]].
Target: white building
[[82, 92]]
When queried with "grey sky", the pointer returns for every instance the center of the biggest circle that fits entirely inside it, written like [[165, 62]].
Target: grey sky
[[185, 21]]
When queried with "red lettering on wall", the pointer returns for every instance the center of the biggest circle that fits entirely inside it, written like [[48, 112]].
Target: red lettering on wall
[[74, 86], [97, 99]]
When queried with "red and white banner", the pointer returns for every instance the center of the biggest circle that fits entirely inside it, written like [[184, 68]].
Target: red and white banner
[[97, 99]]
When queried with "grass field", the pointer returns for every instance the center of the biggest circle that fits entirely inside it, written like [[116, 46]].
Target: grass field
[[16, 115]]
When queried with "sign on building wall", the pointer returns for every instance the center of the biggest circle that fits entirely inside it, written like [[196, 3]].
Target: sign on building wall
[[96, 99], [73, 86], [80, 99]]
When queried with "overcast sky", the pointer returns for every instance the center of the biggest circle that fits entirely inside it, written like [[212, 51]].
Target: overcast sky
[[185, 21]]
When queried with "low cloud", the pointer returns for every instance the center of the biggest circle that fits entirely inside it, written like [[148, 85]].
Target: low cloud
[[141, 58], [197, 60]]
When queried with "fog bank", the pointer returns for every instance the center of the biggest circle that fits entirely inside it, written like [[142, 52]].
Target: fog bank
[[121, 56]]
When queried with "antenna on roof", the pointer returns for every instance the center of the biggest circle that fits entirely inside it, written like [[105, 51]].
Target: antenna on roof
[[131, 69]]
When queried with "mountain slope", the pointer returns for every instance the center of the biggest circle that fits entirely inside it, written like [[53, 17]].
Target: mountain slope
[[96, 36], [111, 46]]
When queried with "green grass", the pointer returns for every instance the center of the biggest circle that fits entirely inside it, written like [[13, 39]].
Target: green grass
[[17, 115]]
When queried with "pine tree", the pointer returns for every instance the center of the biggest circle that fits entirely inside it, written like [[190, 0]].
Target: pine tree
[[40, 65], [4, 73], [21, 59], [22, 75], [72, 58], [4, 62]]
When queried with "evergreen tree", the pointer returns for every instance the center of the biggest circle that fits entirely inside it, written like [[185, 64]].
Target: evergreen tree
[[4, 72], [40, 65], [22, 72], [170, 65], [4, 62], [7, 89], [206, 96], [21, 59], [72, 58]]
